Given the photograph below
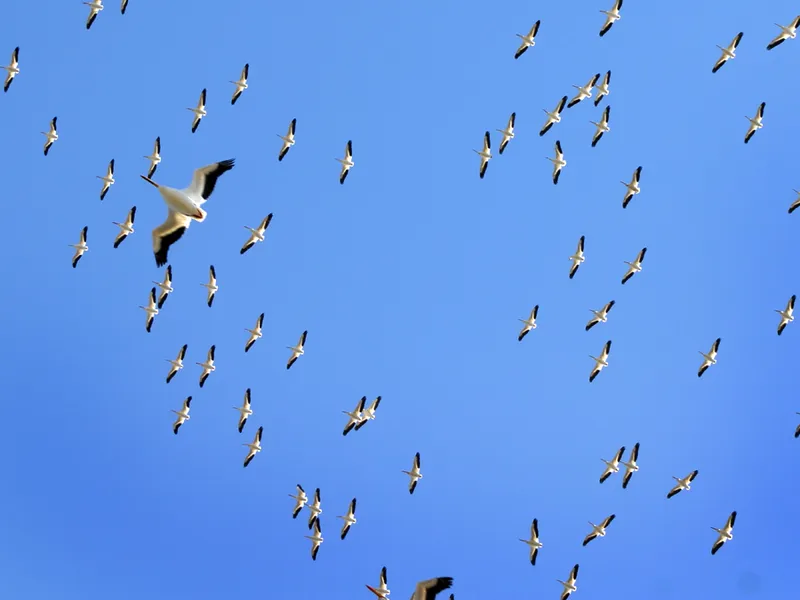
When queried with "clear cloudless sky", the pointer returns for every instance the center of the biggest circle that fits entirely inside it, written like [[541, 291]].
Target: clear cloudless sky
[[410, 279]]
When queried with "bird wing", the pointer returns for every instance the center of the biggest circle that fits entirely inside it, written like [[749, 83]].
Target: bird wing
[[205, 178], [169, 232]]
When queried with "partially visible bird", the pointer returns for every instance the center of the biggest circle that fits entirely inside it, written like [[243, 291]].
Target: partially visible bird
[[569, 586], [602, 89], [612, 16], [95, 6], [165, 286], [787, 32], [300, 500], [368, 414], [425, 590], [315, 509]]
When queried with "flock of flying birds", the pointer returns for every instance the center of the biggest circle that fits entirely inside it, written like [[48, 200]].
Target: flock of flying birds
[[185, 206]]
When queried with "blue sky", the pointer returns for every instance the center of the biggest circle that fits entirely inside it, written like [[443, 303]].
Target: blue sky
[[410, 279]]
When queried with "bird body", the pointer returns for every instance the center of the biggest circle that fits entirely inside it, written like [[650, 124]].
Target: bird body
[[602, 126], [354, 416], [577, 258], [485, 153], [600, 316], [256, 235], [533, 543], [80, 247], [151, 310], [630, 467], [683, 484], [558, 162], [241, 84], [125, 228], [369, 413], [244, 410], [529, 324], [177, 364], [725, 534], [710, 358], [787, 314], [528, 41], [756, 122], [601, 362], [183, 415], [208, 366], [728, 52], [297, 351], [415, 474], [254, 333], [508, 132], [613, 465], [12, 69], [253, 447]]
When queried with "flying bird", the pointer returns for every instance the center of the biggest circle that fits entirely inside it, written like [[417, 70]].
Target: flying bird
[[241, 84], [316, 540], [211, 286], [533, 543], [728, 52], [315, 509], [154, 158], [756, 123], [600, 363], [598, 530], [165, 286], [177, 364], [630, 467], [95, 6], [508, 132], [528, 41], [613, 466], [725, 534], [368, 414], [382, 591], [796, 202], [80, 247], [208, 366], [297, 351], [425, 590], [126, 228], [300, 500], [787, 315], [558, 162], [612, 16], [683, 484], [151, 309], [354, 416], [632, 188], [710, 358], [256, 235], [788, 32], [485, 153], [254, 447], [569, 586], [183, 415], [347, 161], [600, 316], [577, 258], [185, 205], [254, 333], [12, 70], [553, 117], [529, 323], [244, 410], [415, 474], [635, 266], [199, 110], [52, 136], [602, 89], [108, 179], [288, 139], [584, 92], [602, 126], [349, 519]]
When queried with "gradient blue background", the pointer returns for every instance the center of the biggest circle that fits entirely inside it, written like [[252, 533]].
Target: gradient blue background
[[410, 279]]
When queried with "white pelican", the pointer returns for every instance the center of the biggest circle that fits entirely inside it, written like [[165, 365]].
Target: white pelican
[[177, 364], [347, 161], [613, 466], [425, 590], [602, 89], [211, 286], [382, 591], [12, 70], [124, 6], [558, 162], [183, 415], [165, 286], [528, 41], [630, 467], [254, 333], [602, 126], [349, 519], [354, 416], [208, 366], [577, 258], [569, 585], [414, 474], [151, 309], [787, 315], [254, 447], [553, 117], [52, 136], [600, 363], [796, 202], [598, 530], [635, 266], [612, 16], [485, 153], [154, 158], [199, 111], [297, 351], [789, 32], [288, 139], [256, 235], [728, 52], [724, 534], [241, 84], [95, 6], [683, 484], [600, 316], [368, 414], [508, 132], [315, 509], [108, 179], [184, 205], [584, 92], [316, 540], [797, 431], [300, 500], [244, 410], [529, 323], [126, 228], [756, 123], [632, 188], [533, 542], [710, 358], [80, 247]]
